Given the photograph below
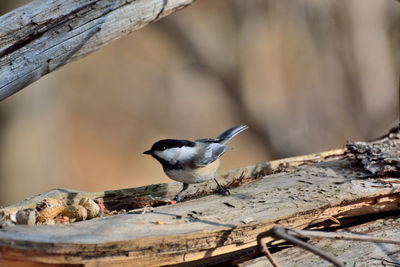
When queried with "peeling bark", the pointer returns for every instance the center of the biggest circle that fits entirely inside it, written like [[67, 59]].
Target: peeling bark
[[381, 157]]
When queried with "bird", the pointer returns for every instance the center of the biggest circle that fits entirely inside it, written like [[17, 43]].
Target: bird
[[192, 162]]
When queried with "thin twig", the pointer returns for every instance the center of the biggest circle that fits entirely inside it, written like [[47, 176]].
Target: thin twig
[[280, 232], [291, 236], [262, 243], [265, 250], [343, 236]]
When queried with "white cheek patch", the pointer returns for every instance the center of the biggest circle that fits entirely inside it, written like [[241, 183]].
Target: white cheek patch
[[177, 154]]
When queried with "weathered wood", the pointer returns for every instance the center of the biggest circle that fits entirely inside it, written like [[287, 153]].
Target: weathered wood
[[320, 191], [44, 35], [208, 227]]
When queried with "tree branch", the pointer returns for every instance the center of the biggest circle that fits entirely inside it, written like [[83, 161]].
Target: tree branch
[[44, 35]]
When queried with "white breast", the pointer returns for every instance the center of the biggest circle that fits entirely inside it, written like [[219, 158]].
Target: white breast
[[194, 176]]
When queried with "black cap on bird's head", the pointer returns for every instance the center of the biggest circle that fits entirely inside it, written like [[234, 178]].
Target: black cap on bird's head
[[168, 143]]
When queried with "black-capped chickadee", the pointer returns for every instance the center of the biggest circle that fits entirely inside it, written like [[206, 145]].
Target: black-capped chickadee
[[192, 162]]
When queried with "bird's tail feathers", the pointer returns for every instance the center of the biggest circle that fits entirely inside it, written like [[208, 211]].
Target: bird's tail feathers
[[230, 133]]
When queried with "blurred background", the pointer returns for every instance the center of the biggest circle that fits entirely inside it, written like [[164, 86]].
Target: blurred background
[[305, 75]]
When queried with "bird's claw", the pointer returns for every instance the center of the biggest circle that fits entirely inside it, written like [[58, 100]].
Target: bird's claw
[[178, 198], [223, 191]]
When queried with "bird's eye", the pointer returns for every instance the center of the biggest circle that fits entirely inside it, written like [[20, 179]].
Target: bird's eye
[[163, 148]]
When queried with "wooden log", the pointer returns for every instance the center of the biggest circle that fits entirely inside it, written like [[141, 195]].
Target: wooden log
[[44, 35], [318, 191]]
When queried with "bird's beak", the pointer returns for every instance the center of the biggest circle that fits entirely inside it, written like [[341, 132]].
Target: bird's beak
[[148, 152]]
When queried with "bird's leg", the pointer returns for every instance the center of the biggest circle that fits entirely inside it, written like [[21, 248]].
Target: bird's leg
[[221, 189], [178, 196]]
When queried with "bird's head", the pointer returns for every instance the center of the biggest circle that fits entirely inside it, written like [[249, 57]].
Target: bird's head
[[172, 151]]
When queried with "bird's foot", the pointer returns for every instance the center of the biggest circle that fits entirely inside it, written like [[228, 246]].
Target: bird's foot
[[178, 198], [223, 191]]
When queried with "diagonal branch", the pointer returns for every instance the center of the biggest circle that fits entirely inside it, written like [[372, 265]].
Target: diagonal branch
[[44, 35]]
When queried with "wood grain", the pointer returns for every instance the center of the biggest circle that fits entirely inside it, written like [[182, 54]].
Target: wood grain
[[44, 35]]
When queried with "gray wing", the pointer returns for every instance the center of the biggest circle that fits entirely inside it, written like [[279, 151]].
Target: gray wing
[[226, 136], [212, 151]]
